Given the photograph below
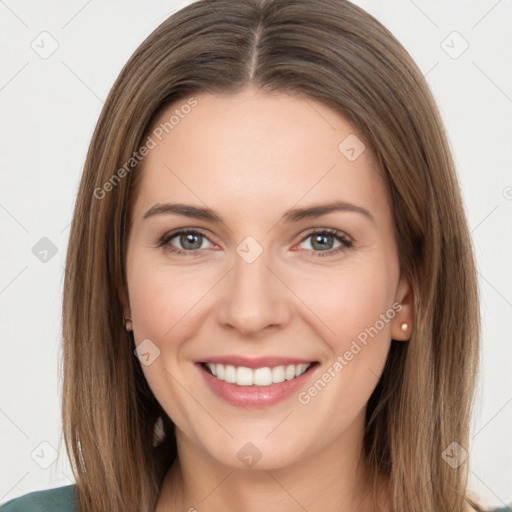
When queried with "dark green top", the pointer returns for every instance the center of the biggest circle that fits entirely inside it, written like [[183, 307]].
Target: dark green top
[[63, 499], [60, 499]]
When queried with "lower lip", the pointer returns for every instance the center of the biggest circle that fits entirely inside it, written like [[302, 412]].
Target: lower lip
[[255, 396]]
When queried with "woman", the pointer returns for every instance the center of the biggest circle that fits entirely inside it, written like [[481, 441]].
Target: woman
[[316, 346]]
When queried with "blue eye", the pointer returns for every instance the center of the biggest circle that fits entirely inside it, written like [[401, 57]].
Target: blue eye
[[192, 242], [190, 239], [322, 239]]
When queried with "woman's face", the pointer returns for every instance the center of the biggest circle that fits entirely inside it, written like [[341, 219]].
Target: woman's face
[[273, 286]]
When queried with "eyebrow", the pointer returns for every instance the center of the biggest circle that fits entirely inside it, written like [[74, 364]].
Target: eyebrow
[[293, 215]]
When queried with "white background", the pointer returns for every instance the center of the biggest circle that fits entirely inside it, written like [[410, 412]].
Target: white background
[[49, 108]]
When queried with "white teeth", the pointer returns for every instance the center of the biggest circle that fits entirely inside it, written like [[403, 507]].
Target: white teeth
[[263, 376], [278, 374], [213, 368], [289, 373], [230, 374], [243, 376]]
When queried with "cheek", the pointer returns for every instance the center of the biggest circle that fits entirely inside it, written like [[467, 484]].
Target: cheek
[[353, 309], [161, 297], [348, 300], [164, 302]]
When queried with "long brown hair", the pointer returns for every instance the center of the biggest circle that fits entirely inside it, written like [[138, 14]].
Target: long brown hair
[[334, 52]]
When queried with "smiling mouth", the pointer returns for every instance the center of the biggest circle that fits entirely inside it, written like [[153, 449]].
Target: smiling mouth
[[264, 376]]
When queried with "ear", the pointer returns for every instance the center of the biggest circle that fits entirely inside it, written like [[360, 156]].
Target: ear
[[125, 301], [405, 297]]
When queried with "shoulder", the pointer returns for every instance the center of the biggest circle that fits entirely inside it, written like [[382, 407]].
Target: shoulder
[[469, 508], [59, 499]]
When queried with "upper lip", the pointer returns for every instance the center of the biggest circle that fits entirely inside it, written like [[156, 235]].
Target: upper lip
[[255, 362]]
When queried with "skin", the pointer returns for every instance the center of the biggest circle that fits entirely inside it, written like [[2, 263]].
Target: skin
[[251, 157]]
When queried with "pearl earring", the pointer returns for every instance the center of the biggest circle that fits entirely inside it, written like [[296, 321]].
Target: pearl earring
[[404, 327], [128, 324]]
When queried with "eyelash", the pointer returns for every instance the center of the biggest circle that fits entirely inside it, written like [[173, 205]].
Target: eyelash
[[346, 243]]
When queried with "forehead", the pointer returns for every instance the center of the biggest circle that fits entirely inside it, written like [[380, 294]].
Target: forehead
[[256, 148]]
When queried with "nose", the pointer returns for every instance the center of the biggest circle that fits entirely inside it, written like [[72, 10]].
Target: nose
[[254, 299]]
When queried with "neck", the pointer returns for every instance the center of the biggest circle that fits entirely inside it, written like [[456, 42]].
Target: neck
[[330, 480]]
